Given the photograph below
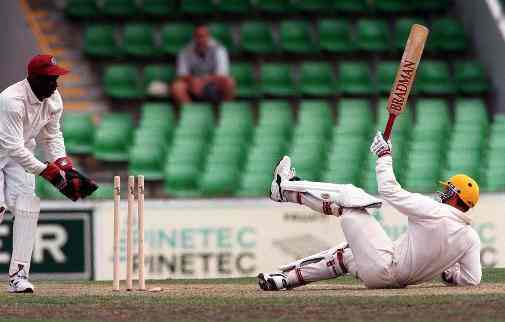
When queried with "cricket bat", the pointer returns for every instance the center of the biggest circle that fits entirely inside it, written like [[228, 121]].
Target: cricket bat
[[405, 75]]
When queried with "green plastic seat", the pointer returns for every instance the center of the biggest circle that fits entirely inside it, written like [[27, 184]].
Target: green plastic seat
[[351, 6], [256, 37], [119, 8], [223, 34], [313, 5], [393, 6], [157, 73], [240, 7], [386, 73], [432, 113], [218, 181], [245, 79], [254, 185], [295, 37], [105, 191], [147, 160], [470, 111], [181, 177], [122, 82], [354, 114], [100, 42], [81, 9], [470, 77], [316, 79], [159, 116], [354, 78], [402, 30], [372, 35], [197, 7], [447, 35], [335, 36], [78, 131], [433, 78], [275, 112], [113, 137], [236, 116], [174, 37], [276, 80], [138, 40], [158, 8], [274, 6]]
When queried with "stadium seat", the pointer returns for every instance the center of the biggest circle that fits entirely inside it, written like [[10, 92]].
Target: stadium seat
[[218, 181], [81, 9], [447, 35], [470, 111], [113, 137], [138, 40], [234, 6], [147, 160], [402, 31], [393, 6], [122, 82], [335, 36], [254, 185], [276, 80], [274, 6], [386, 72], [354, 78], [316, 79], [158, 8], [174, 37], [432, 114], [354, 6], [295, 37], [256, 37], [316, 6], [245, 79], [181, 177], [372, 35], [470, 77], [119, 8], [105, 191], [223, 34], [160, 73], [433, 78], [99, 41], [78, 131], [354, 115], [197, 7]]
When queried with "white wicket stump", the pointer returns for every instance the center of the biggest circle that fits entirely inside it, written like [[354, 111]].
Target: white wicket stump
[[129, 232]]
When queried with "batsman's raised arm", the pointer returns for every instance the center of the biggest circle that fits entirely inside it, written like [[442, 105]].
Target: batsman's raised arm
[[410, 204]]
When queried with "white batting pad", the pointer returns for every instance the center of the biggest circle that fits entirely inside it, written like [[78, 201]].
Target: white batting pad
[[26, 215]]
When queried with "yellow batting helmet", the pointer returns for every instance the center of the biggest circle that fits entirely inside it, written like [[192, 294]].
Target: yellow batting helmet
[[466, 188]]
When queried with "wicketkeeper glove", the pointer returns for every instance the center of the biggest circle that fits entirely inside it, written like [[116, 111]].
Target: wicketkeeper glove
[[379, 146], [68, 180]]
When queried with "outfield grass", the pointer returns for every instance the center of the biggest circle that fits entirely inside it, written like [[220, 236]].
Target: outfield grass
[[239, 300]]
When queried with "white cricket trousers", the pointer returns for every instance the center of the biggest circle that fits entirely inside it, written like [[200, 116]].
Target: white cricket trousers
[[14, 181], [372, 250]]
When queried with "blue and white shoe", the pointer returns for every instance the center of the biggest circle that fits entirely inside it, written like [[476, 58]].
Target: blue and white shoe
[[19, 283], [273, 281], [282, 172]]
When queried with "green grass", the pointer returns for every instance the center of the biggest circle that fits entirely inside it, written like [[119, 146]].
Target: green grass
[[239, 300]]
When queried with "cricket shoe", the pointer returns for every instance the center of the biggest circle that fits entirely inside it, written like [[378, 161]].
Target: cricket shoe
[[282, 172], [20, 284], [273, 281]]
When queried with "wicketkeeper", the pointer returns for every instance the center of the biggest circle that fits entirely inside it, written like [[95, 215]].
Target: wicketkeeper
[[439, 239], [30, 113]]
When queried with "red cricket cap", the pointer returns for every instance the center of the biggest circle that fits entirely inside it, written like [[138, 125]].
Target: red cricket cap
[[45, 65]]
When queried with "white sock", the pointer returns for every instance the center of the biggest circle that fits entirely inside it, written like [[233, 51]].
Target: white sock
[[26, 215]]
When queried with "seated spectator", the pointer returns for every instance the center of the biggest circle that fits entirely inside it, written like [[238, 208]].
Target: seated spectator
[[202, 71]]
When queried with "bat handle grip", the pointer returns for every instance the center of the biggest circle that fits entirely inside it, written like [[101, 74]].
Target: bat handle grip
[[389, 126]]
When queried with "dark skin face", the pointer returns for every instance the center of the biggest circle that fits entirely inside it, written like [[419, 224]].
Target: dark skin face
[[201, 38], [43, 86], [453, 201]]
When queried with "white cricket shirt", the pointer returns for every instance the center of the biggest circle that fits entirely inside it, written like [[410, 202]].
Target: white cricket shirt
[[24, 120], [438, 236]]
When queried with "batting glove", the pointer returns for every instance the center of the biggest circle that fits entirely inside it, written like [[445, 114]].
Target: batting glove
[[379, 146]]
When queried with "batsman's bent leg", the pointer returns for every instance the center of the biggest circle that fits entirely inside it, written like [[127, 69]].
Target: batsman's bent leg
[[371, 247], [331, 263]]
